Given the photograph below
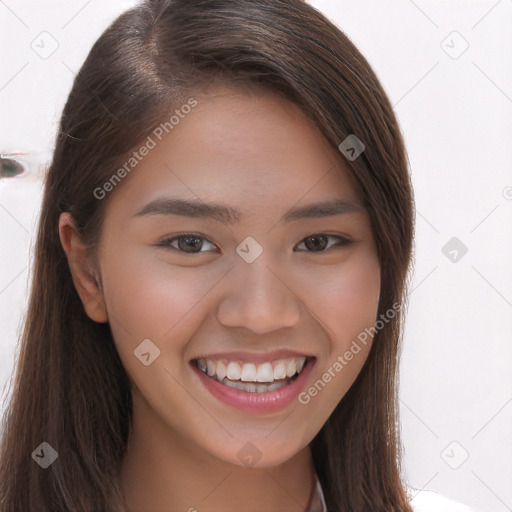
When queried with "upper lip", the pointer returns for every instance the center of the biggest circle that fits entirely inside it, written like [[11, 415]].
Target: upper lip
[[254, 357]]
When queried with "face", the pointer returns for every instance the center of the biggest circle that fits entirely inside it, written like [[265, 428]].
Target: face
[[215, 264]]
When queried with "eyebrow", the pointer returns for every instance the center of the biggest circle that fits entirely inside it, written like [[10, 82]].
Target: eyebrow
[[229, 215]]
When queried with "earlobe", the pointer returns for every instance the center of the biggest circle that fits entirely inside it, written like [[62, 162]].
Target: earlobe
[[83, 273]]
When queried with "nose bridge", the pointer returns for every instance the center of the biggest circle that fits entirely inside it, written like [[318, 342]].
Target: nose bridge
[[258, 297]]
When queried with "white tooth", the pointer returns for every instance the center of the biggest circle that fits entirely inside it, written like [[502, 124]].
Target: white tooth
[[280, 370], [210, 367], [291, 368], [220, 370], [265, 373], [277, 385], [249, 373], [233, 371], [201, 365], [253, 388], [230, 384], [300, 363], [250, 387]]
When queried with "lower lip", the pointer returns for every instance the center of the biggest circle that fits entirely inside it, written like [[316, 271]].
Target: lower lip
[[270, 401]]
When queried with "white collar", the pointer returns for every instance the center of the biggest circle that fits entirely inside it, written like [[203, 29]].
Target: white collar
[[318, 504]]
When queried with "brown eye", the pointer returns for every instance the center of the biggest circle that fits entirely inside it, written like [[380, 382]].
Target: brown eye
[[189, 243], [319, 242]]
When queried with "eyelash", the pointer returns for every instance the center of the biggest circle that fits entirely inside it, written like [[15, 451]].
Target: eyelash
[[166, 242]]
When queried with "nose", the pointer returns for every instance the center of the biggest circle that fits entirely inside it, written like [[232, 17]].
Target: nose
[[258, 298]]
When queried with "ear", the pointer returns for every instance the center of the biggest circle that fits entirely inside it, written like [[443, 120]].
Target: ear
[[85, 276]]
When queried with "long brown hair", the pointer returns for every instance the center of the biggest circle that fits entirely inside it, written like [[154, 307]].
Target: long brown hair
[[70, 388]]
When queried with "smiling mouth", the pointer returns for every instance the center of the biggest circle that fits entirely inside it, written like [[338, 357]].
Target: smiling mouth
[[252, 377]]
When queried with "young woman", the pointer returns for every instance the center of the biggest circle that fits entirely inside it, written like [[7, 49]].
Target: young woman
[[220, 275]]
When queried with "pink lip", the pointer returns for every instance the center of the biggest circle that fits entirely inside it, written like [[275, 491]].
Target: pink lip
[[271, 401], [255, 357]]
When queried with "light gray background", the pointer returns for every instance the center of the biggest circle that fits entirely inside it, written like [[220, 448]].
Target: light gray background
[[455, 109]]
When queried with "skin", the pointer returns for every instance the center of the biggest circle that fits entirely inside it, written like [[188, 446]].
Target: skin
[[260, 154]]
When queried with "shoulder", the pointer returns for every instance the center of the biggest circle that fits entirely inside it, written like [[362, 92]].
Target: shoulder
[[429, 501]]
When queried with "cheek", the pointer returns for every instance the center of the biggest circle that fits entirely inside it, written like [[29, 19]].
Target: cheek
[[347, 306], [156, 301], [148, 298], [358, 294], [346, 299]]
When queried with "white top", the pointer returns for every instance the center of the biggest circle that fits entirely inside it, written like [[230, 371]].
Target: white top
[[429, 501], [421, 501]]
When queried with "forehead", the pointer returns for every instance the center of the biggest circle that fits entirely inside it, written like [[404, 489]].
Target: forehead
[[253, 150]]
